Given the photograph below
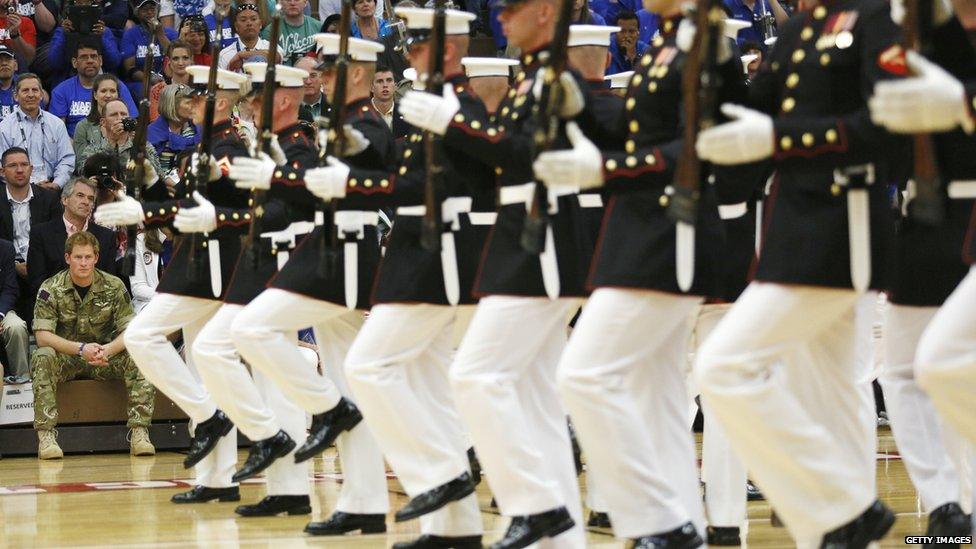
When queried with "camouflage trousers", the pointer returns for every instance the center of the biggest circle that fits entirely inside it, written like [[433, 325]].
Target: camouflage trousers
[[51, 368]]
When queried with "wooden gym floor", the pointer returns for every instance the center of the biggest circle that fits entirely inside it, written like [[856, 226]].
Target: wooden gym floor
[[100, 500]]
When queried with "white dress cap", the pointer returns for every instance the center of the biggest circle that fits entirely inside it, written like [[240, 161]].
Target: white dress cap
[[488, 66], [359, 50], [285, 76], [590, 35], [226, 80], [733, 26], [619, 80], [422, 19]]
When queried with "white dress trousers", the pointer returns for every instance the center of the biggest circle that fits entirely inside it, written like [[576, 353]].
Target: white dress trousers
[[779, 374], [622, 377], [398, 370], [161, 364], [504, 381]]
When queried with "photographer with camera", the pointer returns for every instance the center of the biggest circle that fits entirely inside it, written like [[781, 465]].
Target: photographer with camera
[[135, 45], [115, 137], [17, 32], [174, 131], [82, 25], [71, 100]]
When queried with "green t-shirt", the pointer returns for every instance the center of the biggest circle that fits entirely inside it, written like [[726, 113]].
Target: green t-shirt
[[295, 39]]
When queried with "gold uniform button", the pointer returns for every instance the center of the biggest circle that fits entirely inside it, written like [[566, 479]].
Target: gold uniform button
[[807, 33], [492, 132], [807, 140], [529, 59], [631, 161], [646, 60], [652, 87], [668, 25], [203, 244], [515, 116], [792, 80], [368, 183], [353, 182], [825, 59], [174, 208], [222, 217], [459, 89], [663, 200], [835, 189], [235, 215], [774, 65], [475, 124], [148, 214], [634, 126], [511, 93], [247, 216], [459, 118], [662, 71], [292, 176], [505, 111], [819, 12], [403, 171], [408, 153], [611, 165], [629, 146], [631, 103], [788, 104], [498, 171], [365, 109], [637, 80], [657, 42], [520, 77], [650, 160], [384, 183], [278, 173], [798, 56], [786, 143], [831, 136]]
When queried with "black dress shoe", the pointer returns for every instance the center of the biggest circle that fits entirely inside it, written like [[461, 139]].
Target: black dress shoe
[[435, 498], [753, 493], [276, 505], [202, 494], [205, 438], [428, 541], [528, 529], [326, 427], [263, 453], [341, 523], [598, 520], [475, 466], [948, 520], [871, 525], [724, 536], [682, 537]]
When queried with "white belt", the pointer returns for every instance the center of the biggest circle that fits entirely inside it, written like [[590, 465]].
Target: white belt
[[732, 211], [515, 194], [962, 189], [354, 222], [289, 233], [451, 209], [482, 218]]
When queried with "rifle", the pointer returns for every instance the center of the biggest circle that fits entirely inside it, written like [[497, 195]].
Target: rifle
[[546, 118], [262, 143], [136, 169], [430, 230], [201, 171], [928, 206], [700, 82], [333, 137]]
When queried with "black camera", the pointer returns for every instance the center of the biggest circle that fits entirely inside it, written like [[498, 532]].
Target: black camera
[[130, 124]]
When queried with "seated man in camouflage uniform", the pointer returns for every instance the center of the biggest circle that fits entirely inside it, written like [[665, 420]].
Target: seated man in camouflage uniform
[[79, 318]]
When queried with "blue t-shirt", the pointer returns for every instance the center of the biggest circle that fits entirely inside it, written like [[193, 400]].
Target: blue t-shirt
[[647, 24], [72, 102], [7, 102], [134, 43], [230, 37], [619, 63], [742, 12]]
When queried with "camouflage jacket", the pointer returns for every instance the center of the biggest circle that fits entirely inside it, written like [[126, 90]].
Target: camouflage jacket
[[98, 318]]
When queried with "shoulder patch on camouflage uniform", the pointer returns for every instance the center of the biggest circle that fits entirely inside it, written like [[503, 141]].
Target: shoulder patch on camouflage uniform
[[43, 295]]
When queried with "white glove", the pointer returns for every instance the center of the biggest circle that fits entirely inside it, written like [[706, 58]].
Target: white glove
[[573, 100], [931, 101], [747, 138], [252, 173], [214, 171], [125, 210], [581, 166], [277, 154], [328, 182], [941, 11], [150, 177], [685, 37], [355, 143], [201, 218], [428, 111]]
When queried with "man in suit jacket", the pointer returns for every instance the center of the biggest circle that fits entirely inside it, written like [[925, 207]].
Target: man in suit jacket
[[45, 254], [26, 205], [13, 329]]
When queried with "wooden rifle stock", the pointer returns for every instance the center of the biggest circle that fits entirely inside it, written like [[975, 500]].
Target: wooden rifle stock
[[136, 169], [700, 82], [928, 206], [263, 140], [545, 114], [433, 225]]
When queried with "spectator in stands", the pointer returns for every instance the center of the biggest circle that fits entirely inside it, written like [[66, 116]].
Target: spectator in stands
[[331, 23], [18, 33], [249, 45], [8, 71], [752, 67], [115, 13], [65, 39], [43, 134], [382, 92], [296, 30], [228, 27], [752, 11], [45, 254], [151, 248], [314, 99], [13, 329], [179, 56], [135, 44], [88, 130], [41, 13], [193, 31], [626, 49], [71, 100], [367, 23], [648, 23], [27, 206], [113, 138], [174, 131], [583, 15], [69, 349], [330, 8]]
